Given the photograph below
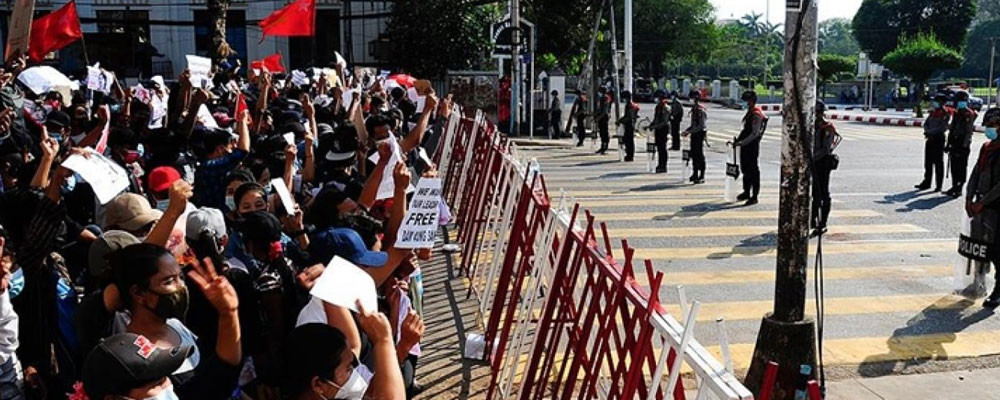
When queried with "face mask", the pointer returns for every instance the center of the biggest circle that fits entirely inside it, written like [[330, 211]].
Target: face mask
[[57, 136], [356, 385], [172, 305], [935, 104], [230, 203], [267, 187], [68, 185], [167, 394], [991, 133], [963, 105], [16, 283], [162, 204]]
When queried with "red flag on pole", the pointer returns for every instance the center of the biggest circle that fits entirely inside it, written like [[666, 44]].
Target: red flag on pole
[[271, 62], [54, 31], [241, 106], [296, 19]]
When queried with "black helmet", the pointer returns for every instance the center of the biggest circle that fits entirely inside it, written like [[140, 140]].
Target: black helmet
[[961, 95], [940, 97], [673, 93], [820, 106], [555, 92], [695, 94], [749, 95], [992, 117], [627, 95]]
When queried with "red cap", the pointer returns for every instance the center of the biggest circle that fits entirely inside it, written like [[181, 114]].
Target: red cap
[[161, 178]]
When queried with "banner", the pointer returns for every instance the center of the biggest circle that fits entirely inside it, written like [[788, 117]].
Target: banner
[[420, 225], [19, 33]]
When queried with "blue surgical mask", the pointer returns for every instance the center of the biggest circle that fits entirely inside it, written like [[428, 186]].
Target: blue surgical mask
[[162, 204], [963, 105], [167, 394], [991, 133], [230, 203], [16, 283], [68, 185], [935, 104]]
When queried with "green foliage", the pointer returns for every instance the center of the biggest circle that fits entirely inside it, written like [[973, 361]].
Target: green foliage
[[879, 25], [668, 29], [563, 27], [429, 37], [832, 65], [977, 52], [919, 57], [835, 37], [546, 62]]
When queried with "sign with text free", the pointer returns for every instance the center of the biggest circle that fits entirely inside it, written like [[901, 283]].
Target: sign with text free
[[420, 224]]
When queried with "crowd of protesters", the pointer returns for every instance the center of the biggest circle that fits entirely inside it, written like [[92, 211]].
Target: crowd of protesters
[[194, 282]]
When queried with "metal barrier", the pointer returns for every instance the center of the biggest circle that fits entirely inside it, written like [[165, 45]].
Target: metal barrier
[[562, 318]]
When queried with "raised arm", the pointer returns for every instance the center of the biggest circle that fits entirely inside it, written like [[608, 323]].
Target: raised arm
[[180, 192], [416, 135]]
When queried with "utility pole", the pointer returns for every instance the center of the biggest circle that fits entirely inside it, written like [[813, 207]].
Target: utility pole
[[515, 75], [993, 53], [786, 336], [628, 46], [614, 60]]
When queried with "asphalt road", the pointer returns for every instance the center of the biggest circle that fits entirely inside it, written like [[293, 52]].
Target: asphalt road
[[889, 256]]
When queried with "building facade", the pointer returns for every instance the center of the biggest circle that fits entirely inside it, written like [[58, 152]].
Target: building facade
[[152, 37]]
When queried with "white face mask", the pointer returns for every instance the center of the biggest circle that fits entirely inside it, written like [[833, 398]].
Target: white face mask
[[230, 203], [167, 394], [355, 387], [162, 204]]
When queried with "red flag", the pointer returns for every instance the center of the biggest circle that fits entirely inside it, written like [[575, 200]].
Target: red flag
[[296, 19], [271, 62], [241, 106], [54, 31]]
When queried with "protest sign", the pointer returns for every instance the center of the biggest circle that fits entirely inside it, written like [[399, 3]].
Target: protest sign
[[200, 68], [205, 117], [420, 225], [286, 197], [343, 284], [19, 33], [387, 187], [43, 79], [99, 80], [106, 178], [289, 138], [157, 111], [299, 78]]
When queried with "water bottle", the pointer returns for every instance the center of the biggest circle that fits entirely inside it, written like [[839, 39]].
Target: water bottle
[[801, 388]]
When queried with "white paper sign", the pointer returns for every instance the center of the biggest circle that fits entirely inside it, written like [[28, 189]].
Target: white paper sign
[[157, 111], [404, 309], [387, 187], [105, 176], [347, 97], [343, 284], [289, 138], [420, 225], [99, 80], [286, 197], [200, 67], [299, 78], [205, 117]]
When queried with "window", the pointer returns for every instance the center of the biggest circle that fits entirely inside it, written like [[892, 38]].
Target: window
[[122, 42]]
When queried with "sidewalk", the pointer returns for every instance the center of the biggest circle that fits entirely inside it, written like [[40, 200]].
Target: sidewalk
[[978, 384]]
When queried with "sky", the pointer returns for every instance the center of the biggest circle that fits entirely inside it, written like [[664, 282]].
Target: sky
[[827, 8]]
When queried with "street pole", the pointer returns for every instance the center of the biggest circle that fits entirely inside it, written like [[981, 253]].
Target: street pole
[[786, 336], [989, 87], [515, 75], [614, 60], [628, 45]]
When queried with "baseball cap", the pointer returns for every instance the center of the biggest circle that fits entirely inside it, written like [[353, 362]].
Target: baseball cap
[[348, 244], [126, 361], [130, 212], [103, 246], [202, 219], [57, 119], [260, 226], [160, 178]]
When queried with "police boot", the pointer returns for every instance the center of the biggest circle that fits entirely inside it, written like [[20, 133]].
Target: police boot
[[922, 185], [994, 299]]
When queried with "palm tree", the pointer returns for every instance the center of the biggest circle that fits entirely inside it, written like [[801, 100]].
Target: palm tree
[[217, 10], [752, 23]]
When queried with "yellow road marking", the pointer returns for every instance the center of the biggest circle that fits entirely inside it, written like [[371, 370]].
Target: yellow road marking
[[748, 310], [754, 230], [726, 214], [657, 192], [930, 246]]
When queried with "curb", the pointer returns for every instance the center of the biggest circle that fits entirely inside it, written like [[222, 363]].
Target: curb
[[877, 120], [777, 107]]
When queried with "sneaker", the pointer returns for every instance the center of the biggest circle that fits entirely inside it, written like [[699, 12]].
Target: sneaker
[[751, 201], [698, 181], [743, 196]]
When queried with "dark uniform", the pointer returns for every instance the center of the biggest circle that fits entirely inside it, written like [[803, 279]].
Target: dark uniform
[[748, 141], [697, 130], [982, 201], [579, 112], [676, 115], [935, 127], [628, 120], [555, 115], [602, 116], [823, 163], [959, 140], [661, 131]]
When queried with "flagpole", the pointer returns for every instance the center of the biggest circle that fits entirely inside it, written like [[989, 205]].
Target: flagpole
[[83, 40]]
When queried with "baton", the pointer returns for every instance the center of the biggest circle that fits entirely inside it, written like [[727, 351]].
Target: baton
[[948, 169]]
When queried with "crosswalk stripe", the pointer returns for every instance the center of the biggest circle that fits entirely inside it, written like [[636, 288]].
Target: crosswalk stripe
[[694, 231], [923, 246], [674, 278], [727, 214], [749, 310], [689, 191], [715, 200]]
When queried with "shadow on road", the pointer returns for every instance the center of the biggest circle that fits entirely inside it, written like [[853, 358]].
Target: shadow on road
[[750, 246], [924, 336], [592, 163], [697, 210], [900, 197], [925, 204], [659, 186], [615, 175]]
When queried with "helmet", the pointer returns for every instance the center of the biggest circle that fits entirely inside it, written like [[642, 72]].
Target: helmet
[[694, 94], [749, 95], [940, 97], [820, 106], [992, 117], [673, 93], [626, 95], [961, 95]]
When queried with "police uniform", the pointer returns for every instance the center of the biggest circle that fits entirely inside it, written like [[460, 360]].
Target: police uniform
[[959, 139], [697, 130], [628, 122], [935, 127], [748, 141], [983, 200], [676, 115], [824, 161], [602, 116], [661, 129], [580, 113]]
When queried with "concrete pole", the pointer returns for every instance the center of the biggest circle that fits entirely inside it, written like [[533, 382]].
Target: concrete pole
[[515, 75], [786, 336], [989, 85], [628, 45], [614, 61]]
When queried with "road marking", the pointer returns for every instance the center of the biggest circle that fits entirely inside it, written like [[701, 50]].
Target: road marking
[[690, 201], [747, 230], [922, 246], [830, 273], [725, 214], [690, 191]]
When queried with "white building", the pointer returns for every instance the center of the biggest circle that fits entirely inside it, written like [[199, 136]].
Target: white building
[[117, 32]]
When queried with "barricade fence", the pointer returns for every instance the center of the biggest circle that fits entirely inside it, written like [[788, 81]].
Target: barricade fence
[[562, 317]]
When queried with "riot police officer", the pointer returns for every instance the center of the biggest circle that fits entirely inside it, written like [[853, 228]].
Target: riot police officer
[[935, 127], [824, 161], [676, 115], [661, 131], [754, 123], [579, 112], [982, 201], [628, 120], [602, 116], [959, 139], [698, 131]]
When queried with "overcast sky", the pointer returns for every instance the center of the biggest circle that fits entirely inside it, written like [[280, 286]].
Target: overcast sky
[[827, 8]]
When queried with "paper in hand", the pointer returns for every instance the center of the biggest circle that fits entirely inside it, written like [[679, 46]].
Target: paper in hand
[[200, 68], [289, 138], [344, 284], [286, 197], [106, 178]]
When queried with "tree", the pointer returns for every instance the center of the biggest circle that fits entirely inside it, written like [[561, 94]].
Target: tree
[[989, 10], [667, 28], [880, 24], [977, 53], [830, 66], [429, 37], [217, 10], [835, 37], [919, 57], [563, 27]]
